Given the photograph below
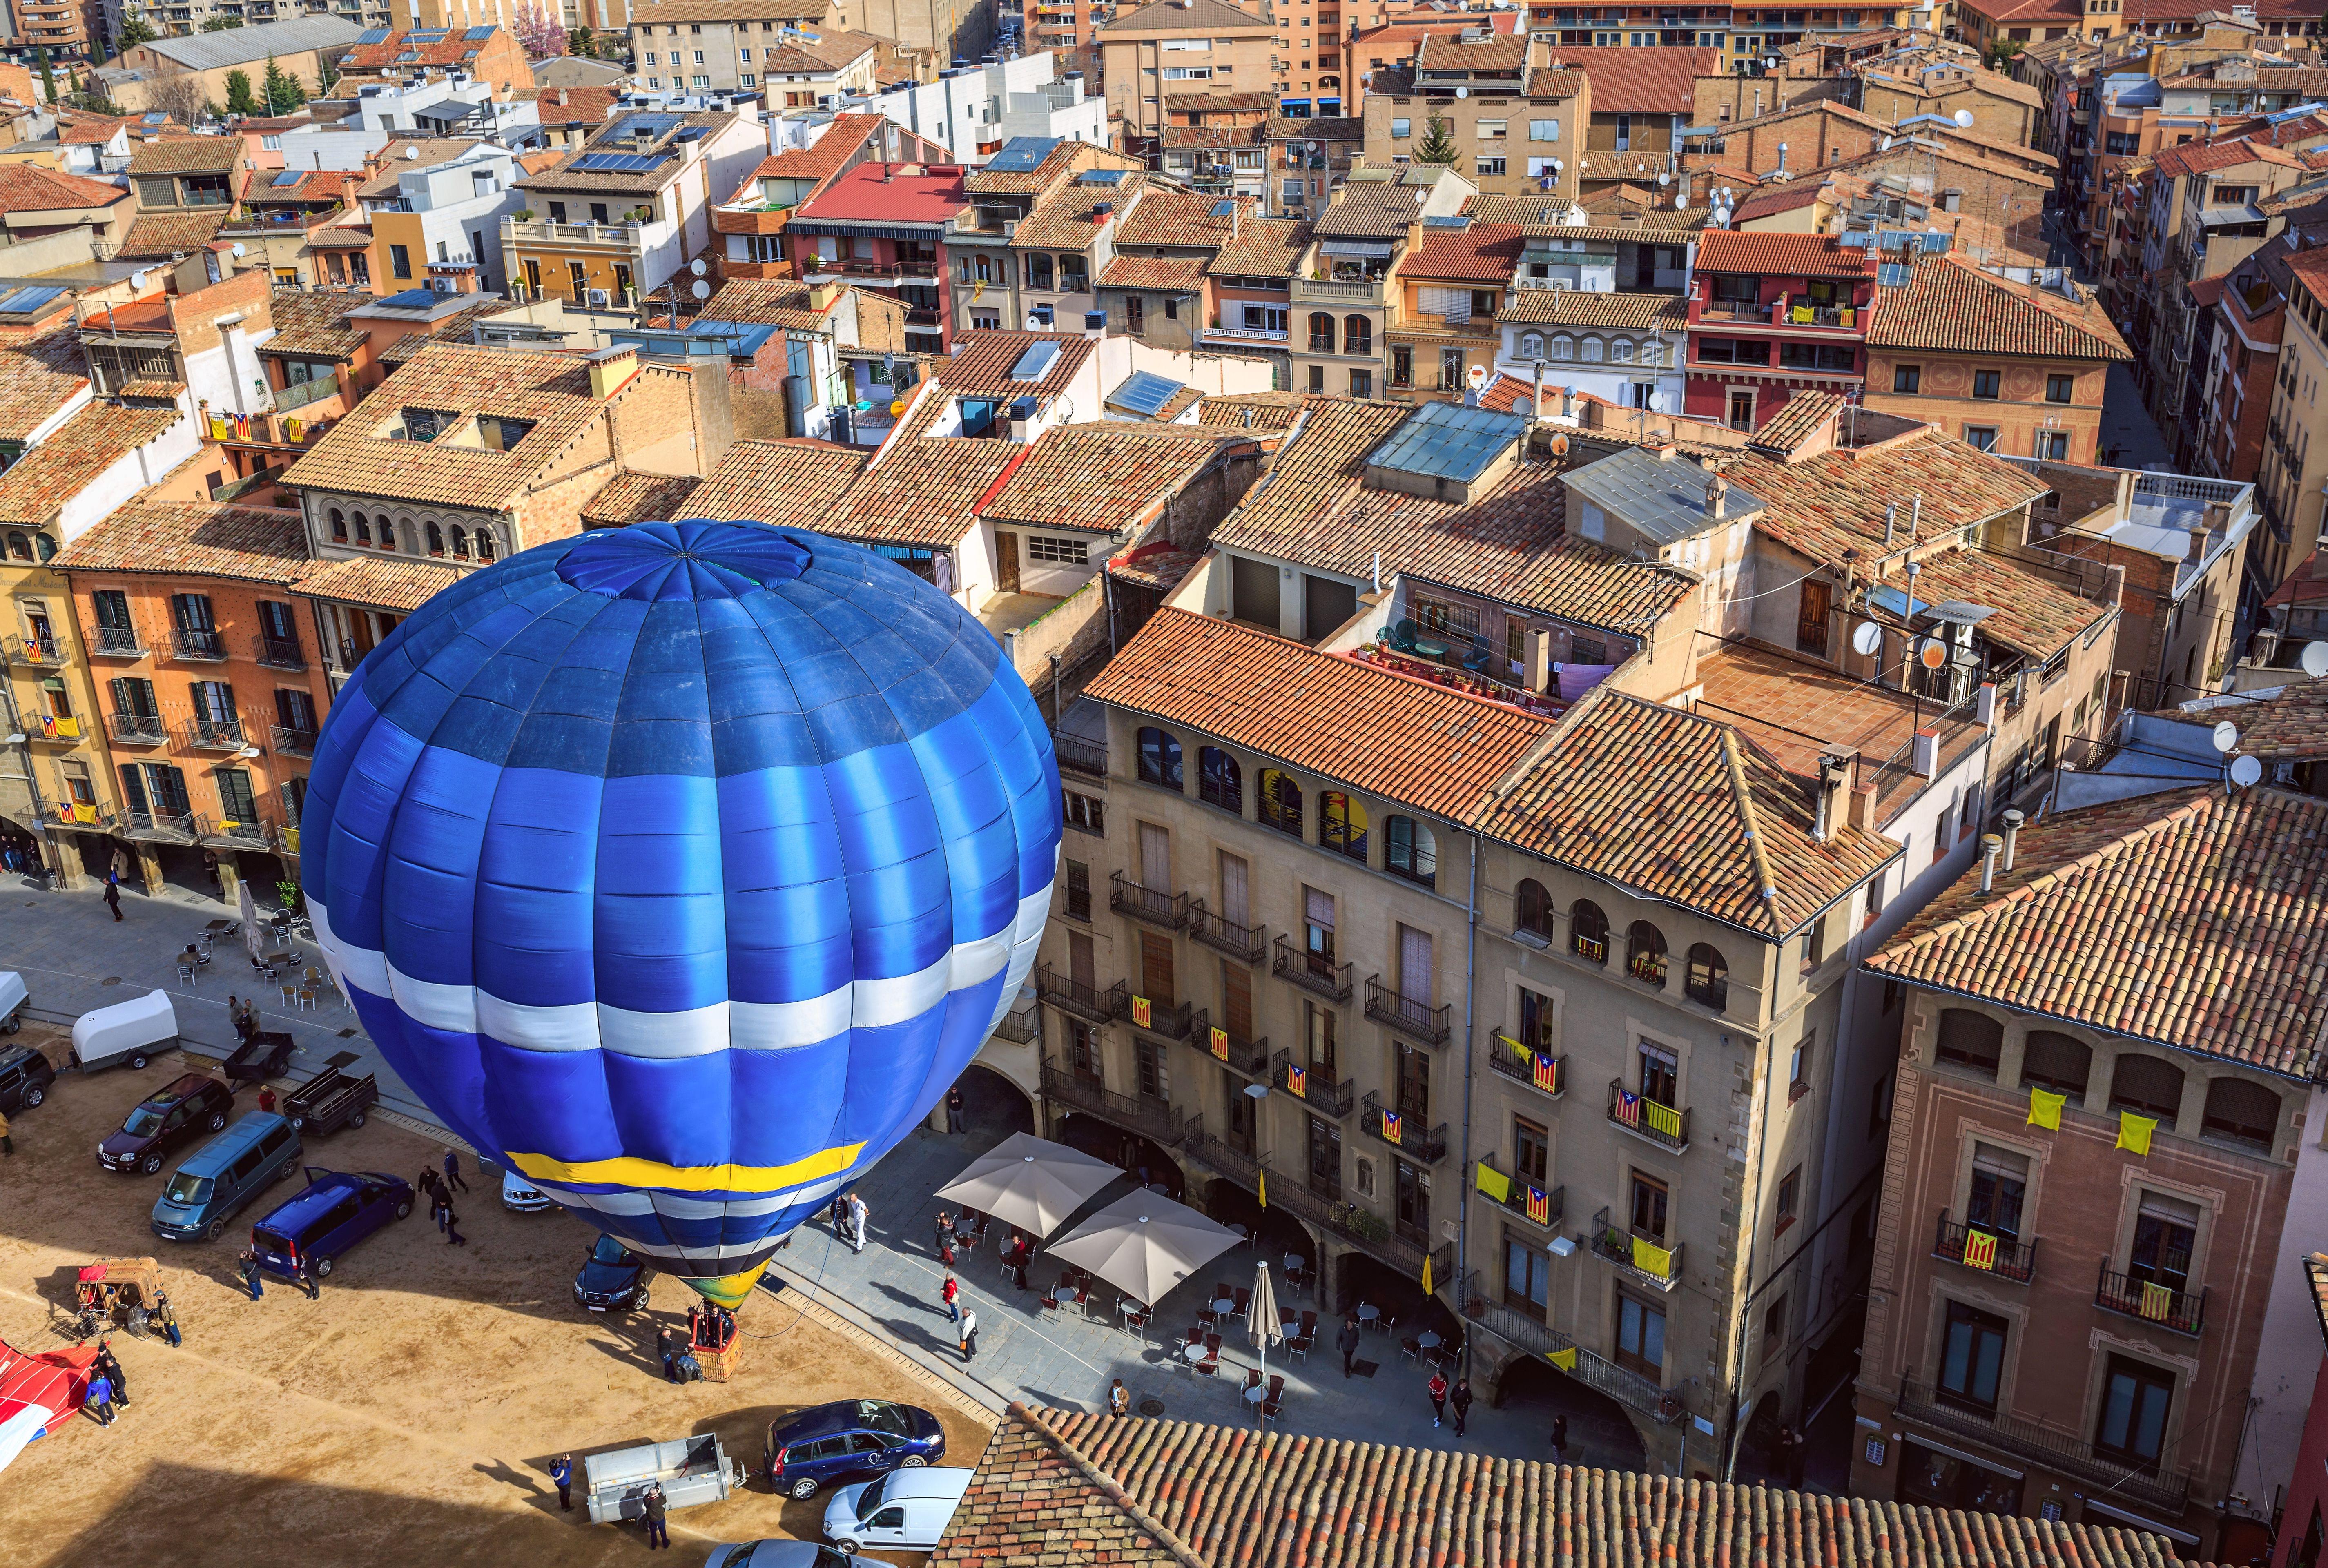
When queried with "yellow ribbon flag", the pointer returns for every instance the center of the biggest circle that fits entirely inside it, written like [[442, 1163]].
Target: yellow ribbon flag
[[1493, 1182], [1979, 1250], [1652, 1259], [2045, 1109], [2134, 1131], [1261, 1182], [1661, 1119], [1564, 1359], [1426, 1276], [2157, 1301]]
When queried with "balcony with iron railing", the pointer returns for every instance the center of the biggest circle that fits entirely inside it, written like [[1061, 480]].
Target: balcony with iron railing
[[173, 827], [212, 734], [1363, 1229], [1245, 943], [1644, 1117], [1984, 1250], [1088, 1003], [1149, 905], [1523, 1198], [118, 642], [1184, 1022], [292, 742], [1236, 1161], [1081, 754], [1524, 1331], [1149, 1116], [1547, 1075], [194, 644], [1327, 1096], [1412, 1016], [234, 833], [1020, 1026], [137, 728], [42, 652], [1639, 1258], [1314, 972], [1248, 1059], [1425, 1145], [279, 653], [2177, 1312], [2159, 1486]]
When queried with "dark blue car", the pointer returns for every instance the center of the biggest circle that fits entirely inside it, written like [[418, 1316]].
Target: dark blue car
[[338, 1209], [848, 1442], [612, 1279]]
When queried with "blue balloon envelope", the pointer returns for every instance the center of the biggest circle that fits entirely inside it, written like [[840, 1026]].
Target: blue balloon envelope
[[684, 867]]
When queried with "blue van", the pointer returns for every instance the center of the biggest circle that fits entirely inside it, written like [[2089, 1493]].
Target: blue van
[[338, 1209], [221, 1175]]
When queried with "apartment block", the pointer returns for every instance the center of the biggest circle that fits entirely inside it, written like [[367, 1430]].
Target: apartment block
[[1512, 121], [1181, 47], [1339, 298], [1772, 317]]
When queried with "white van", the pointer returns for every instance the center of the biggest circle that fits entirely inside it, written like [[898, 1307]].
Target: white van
[[134, 1031], [13, 1000], [904, 1511]]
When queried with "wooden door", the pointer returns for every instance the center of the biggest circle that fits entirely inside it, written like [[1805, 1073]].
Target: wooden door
[[1156, 968], [1082, 968], [1006, 562], [1811, 617]]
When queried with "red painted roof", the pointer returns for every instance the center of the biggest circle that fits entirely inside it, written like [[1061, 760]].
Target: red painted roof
[[880, 193], [1781, 255]]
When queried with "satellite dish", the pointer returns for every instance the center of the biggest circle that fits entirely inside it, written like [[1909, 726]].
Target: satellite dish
[[701, 290], [1462, 92], [696, 267], [1963, 118], [2245, 771], [1664, 178], [1034, 322], [1477, 376], [1309, 146], [410, 150], [1560, 445], [138, 281], [2315, 660], [237, 250], [1932, 653], [2227, 735], [897, 407], [1867, 638]]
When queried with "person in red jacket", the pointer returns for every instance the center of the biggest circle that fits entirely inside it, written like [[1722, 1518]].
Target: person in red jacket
[[1438, 1397], [951, 1294]]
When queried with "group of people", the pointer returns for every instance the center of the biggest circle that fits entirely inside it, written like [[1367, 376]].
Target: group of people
[[253, 1271], [679, 1362], [849, 1219], [108, 1384], [438, 1190], [710, 1328]]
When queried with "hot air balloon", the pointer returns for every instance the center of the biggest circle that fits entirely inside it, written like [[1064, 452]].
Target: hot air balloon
[[684, 866]]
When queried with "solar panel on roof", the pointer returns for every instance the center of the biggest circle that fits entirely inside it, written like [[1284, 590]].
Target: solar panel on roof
[[1448, 441], [290, 177], [1022, 154], [1145, 392], [619, 163], [1858, 240], [1895, 275], [1893, 240], [1446, 220], [1036, 362], [428, 34], [1934, 243], [478, 34], [1096, 176], [19, 302], [413, 299], [372, 35]]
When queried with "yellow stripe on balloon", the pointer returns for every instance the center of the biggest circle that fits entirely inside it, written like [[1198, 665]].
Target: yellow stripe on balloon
[[628, 1170], [726, 1291]]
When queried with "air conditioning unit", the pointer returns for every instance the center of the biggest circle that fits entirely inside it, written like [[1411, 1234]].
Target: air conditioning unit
[[598, 300]]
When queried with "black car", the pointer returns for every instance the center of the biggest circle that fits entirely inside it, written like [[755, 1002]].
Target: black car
[[613, 1278], [847, 1441], [187, 1109], [24, 1078]]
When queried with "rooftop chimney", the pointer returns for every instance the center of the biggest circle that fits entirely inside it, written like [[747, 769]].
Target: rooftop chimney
[[1989, 846], [1834, 784], [1717, 494], [610, 369], [2013, 821]]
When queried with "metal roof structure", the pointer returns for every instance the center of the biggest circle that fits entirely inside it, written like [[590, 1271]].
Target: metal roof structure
[[1448, 441], [1145, 393], [249, 44], [1022, 154], [1662, 499]]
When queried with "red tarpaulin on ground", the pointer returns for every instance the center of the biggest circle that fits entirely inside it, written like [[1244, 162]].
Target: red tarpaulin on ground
[[37, 1392]]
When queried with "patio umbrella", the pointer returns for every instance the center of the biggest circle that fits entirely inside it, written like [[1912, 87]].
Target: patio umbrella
[[1144, 1243], [1031, 1182], [1260, 1324]]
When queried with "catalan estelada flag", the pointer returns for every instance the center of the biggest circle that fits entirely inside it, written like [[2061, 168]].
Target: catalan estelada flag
[[1143, 1011], [1297, 1081], [1548, 1073], [1221, 1044], [1539, 1205], [1979, 1250], [1392, 1125]]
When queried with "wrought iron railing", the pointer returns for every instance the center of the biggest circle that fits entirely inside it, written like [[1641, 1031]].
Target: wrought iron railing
[[1659, 1123], [1411, 1016], [1126, 896], [1144, 1113], [1524, 1331], [279, 653], [1184, 1022], [213, 734], [189, 642], [1641, 1257], [1327, 1096], [1232, 1050], [2160, 1486], [1975, 1248], [1080, 755], [1311, 971], [159, 824], [1426, 1145], [1247, 943], [2179, 1312], [292, 742], [119, 642], [1020, 1026], [237, 833], [1545, 1075], [37, 650], [1085, 1002], [138, 729]]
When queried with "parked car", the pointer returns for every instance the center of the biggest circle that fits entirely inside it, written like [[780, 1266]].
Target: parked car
[[613, 1278], [782, 1554], [24, 1078], [134, 1031], [337, 1210], [849, 1439], [180, 1113], [217, 1179], [521, 1195], [905, 1511], [12, 997]]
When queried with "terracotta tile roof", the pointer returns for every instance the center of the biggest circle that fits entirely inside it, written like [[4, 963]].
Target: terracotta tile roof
[[25, 188], [2290, 726], [584, 105], [391, 52], [1066, 1487], [1677, 806], [2315, 1270], [189, 156], [311, 323], [1778, 198], [1503, 52], [1103, 477], [1576, 307], [550, 390], [789, 483], [1180, 219], [2202, 158], [79, 450], [1067, 218], [159, 236], [841, 140], [1264, 247], [151, 387], [2034, 616], [1476, 253], [1798, 418], [1546, 84], [37, 374], [1220, 102], [1257, 411], [2187, 918], [1323, 130], [1216, 136], [1168, 274], [923, 491], [247, 543], [1510, 543], [628, 498], [1950, 304], [1402, 740], [341, 236], [1372, 208], [1781, 255], [770, 301], [1641, 80], [1822, 506], [396, 583], [983, 359], [835, 49]]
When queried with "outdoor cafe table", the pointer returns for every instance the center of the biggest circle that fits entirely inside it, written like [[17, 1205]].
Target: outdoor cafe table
[[1194, 1354]]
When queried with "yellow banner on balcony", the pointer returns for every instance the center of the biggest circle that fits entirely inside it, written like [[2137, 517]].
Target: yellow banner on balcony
[[2134, 1131], [2045, 1109], [1261, 1189], [1143, 1011], [1564, 1359], [2157, 1303], [1652, 1259], [59, 728], [1979, 1250], [1221, 1044], [1427, 1291], [1662, 1120], [1493, 1182]]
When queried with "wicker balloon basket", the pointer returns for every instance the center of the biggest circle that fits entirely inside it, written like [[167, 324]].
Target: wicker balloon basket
[[719, 1366]]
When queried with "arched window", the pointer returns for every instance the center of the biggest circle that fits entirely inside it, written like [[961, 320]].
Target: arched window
[[1530, 345], [1342, 825], [1621, 350], [1588, 932], [1564, 347], [1653, 352], [339, 525], [1970, 1039], [2055, 1062], [388, 535], [1591, 351], [1321, 332], [1281, 803], [1219, 779], [2242, 1111], [1357, 335], [364, 528], [460, 542], [1707, 981], [1160, 759], [436, 539], [2147, 1086], [44, 547], [20, 545], [1410, 851], [484, 544], [1645, 953]]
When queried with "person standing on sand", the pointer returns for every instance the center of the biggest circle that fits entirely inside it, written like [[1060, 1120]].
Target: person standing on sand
[[561, 1472]]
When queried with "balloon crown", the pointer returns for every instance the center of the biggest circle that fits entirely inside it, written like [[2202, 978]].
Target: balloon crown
[[682, 560]]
